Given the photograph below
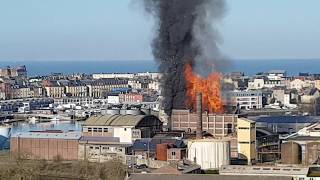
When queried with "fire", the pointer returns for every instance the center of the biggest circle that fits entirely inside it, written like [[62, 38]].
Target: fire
[[210, 88]]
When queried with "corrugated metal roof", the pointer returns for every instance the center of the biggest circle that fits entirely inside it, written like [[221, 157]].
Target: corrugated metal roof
[[45, 135], [100, 139], [114, 120]]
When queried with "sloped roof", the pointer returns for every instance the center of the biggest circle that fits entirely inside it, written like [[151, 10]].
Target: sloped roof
[[114, 120]]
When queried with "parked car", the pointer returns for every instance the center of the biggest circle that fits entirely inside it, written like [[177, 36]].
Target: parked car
[[141, 166]]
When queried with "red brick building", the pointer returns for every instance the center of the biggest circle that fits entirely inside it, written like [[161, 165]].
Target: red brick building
[[130, 97]]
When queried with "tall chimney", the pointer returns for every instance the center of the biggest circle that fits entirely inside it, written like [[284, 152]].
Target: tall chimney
[[199, 114]]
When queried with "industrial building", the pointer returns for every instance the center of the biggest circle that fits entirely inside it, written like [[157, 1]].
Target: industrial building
[[293, 172], [246, 133], [101, 149], [125, 127], [47, 145], [302, 147], [217, 125]]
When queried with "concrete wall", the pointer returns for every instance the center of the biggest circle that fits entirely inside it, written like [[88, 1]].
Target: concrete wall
[[124, 133]]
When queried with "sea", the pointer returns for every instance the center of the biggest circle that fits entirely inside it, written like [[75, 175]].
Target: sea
[[249, 67]]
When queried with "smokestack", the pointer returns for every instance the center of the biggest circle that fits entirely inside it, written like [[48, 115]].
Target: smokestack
[[199, 114]]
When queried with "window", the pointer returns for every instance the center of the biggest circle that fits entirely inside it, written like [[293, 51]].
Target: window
[[89, 129], [125, 129], [95, 130], [120, 149], [243, 128], [243, 142], [97, 147], [106, 147], [99, 129], [91, 147], [173, 153], [105, 129]]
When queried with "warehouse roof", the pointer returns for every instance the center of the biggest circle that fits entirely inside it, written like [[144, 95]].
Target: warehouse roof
[[49, 135], [115, 120]]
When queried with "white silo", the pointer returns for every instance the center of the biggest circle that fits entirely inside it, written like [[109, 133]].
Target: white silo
[[209, 153]]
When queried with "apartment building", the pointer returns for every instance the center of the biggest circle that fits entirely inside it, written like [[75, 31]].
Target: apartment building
[[246, 99]]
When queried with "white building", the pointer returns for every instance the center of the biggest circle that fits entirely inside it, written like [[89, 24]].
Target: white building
[[125, 127], [112, 75], [256, 84], [113, 100], [276, 74], [246, 99]]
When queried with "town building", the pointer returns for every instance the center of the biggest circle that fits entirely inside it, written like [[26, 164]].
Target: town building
[[8, 72], [246, 99], [100, 87], [113, 75], [256, 84], [276, 74], [76, 89], [19, 92], [130, 98], [54, 89]]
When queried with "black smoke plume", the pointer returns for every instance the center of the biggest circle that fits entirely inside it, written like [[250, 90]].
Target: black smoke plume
[[185, 34]]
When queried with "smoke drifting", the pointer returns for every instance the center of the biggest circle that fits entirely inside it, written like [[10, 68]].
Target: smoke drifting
[[185, 34]]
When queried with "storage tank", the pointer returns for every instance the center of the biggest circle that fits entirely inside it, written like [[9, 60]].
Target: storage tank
[[290, 153], [312, 153], [209, 153], [113, 111]]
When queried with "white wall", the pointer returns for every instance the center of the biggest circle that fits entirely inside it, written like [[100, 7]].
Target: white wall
[[124, 133], [113, 100], [209, 154]]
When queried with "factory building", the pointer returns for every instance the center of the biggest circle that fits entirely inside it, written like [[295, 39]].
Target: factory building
[[101, 149], [47, 145], [217, 125], [302, 147], [246, 133], [125, 127]]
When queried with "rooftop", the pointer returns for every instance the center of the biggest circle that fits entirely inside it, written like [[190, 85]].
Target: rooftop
[[51, 135], [115, 120], [286, 119]]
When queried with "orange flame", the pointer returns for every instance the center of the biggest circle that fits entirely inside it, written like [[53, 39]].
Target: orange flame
[[210, 88]]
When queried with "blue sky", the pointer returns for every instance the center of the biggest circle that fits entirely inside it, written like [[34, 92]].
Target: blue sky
[[118, 29]]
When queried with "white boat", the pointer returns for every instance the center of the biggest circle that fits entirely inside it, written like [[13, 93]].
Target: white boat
[[32, 120], [5, 130], [55, 120]]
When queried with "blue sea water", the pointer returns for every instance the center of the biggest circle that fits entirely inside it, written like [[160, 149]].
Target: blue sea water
[[249, 67]]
